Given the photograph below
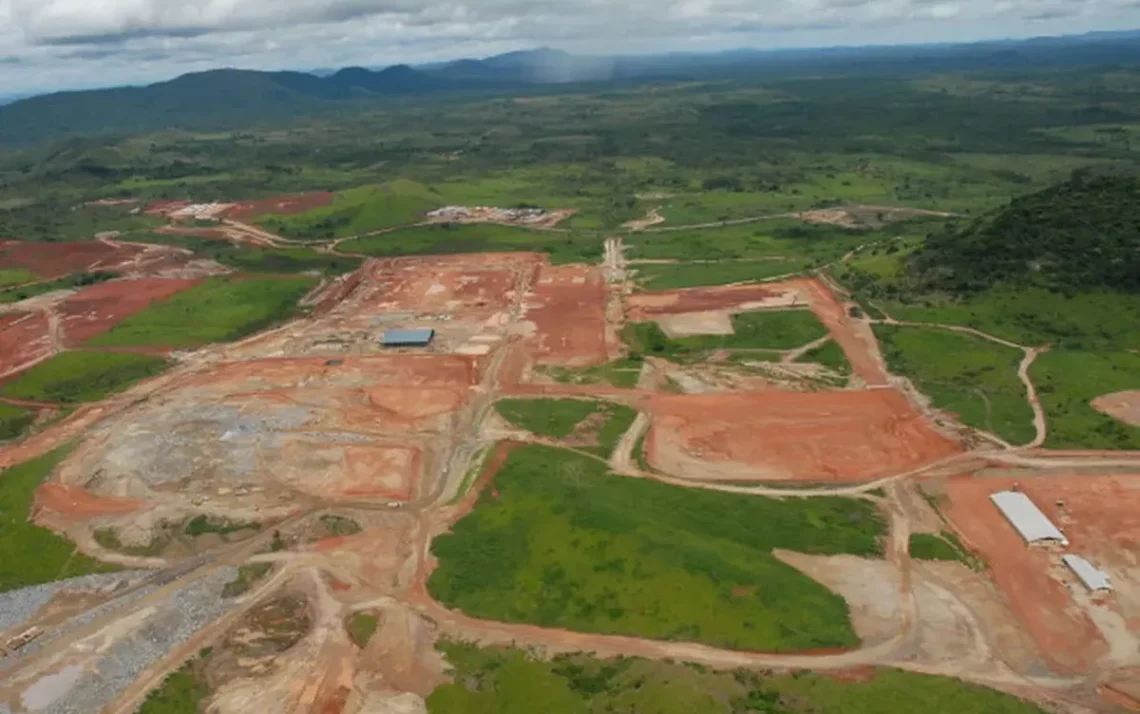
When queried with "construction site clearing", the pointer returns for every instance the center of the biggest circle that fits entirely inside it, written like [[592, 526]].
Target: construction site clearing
[[323, 463]]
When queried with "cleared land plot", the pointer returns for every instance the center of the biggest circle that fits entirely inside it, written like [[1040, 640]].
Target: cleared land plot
[[23, 337], [359, 210], [1067, 383], [495, 679], [1067, 638], [217, 310], [567, 306], [669, 276], [81, 376], [477, 238], [751, 330], [55, 260], [558, 542], [970, 377], [806, 436], [29, 554]]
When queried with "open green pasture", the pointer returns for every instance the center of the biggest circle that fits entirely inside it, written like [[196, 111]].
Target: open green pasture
[[14, 421], [619, 373], [669, 276], [505, 680], [971, 377], [81, 376], [217, 310], [781, 330], [557, 541], [1068, 380], [30, 554], [478, 238]]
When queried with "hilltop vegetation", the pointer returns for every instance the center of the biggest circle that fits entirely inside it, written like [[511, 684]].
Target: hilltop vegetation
[[1080, 235]]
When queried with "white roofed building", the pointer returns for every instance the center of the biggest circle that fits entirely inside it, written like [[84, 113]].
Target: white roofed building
[[1094, 579], [1033, 525]]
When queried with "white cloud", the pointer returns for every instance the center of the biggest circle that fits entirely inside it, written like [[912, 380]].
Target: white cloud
[[47, 44]]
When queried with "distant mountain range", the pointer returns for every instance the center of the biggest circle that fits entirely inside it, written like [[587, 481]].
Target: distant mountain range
[[229, 97]]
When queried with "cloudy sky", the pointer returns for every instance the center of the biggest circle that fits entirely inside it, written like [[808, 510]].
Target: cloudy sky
[[55, 44]]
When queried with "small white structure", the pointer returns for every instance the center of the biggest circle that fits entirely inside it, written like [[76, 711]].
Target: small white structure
[[1027, 518], [1095, 580]]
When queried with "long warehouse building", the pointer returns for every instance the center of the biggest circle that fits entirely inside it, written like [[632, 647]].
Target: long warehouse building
[[1033, 525]]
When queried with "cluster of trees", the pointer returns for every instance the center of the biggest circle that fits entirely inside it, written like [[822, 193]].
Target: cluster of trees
[[1080, 235]]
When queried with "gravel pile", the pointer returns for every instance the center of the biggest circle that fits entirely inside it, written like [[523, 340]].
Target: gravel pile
[[183, 614], [17, 606]]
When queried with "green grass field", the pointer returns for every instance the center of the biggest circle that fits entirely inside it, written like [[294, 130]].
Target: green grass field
[[555, 418], [251, 259], [218, 310], [359, 210], [1032, 317], [927, 546], [184, 691], [16, 276], [623, 373], [72, 377], [791, 240], [16, 294], [618, 420], [361, 627], [1068, 380], [782, 330], [968, 376], [29, 554], [14, 421], [670, 276], [514, 681], [559, 542], [478, 238], [830, 355]]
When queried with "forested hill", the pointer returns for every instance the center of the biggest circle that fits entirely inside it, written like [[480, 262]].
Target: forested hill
[[1083, 234]]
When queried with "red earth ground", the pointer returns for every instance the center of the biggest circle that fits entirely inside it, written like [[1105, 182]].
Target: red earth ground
[[569, 314], [55, 260], [79, 503], [24, 338], [280, 205], [808, 436], [96, 309], [1101, 519]]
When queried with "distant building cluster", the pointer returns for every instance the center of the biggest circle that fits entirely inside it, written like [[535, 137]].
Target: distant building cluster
[[490, 214]]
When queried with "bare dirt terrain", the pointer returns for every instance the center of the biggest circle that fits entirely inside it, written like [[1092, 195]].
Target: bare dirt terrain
[[93, 310], [55, 260], [351, 458], [281, 205], [861, 216], [777, 435], [1124, 406]]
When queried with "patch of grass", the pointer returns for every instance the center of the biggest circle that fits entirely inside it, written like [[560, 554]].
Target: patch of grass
[[109, 539], [1068, 380], [830, 355], [688, 275], [968, 376], [72, 281], [559, 542], [361, 627], [29, 554], [623, 373], [777, 238], [255, 259], [218, 310], [337, 526], [927, 546], [203, 524], [478, 238], [182, 692], [16, 276], [639, 455], [247, 575], [71, 377], [555, 418], [469, 478], [516, 681], [14, 421], [618, 420], [359, 210], [783, 330]]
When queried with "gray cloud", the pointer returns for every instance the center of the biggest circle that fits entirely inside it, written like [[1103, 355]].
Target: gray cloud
[[76, 43]]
